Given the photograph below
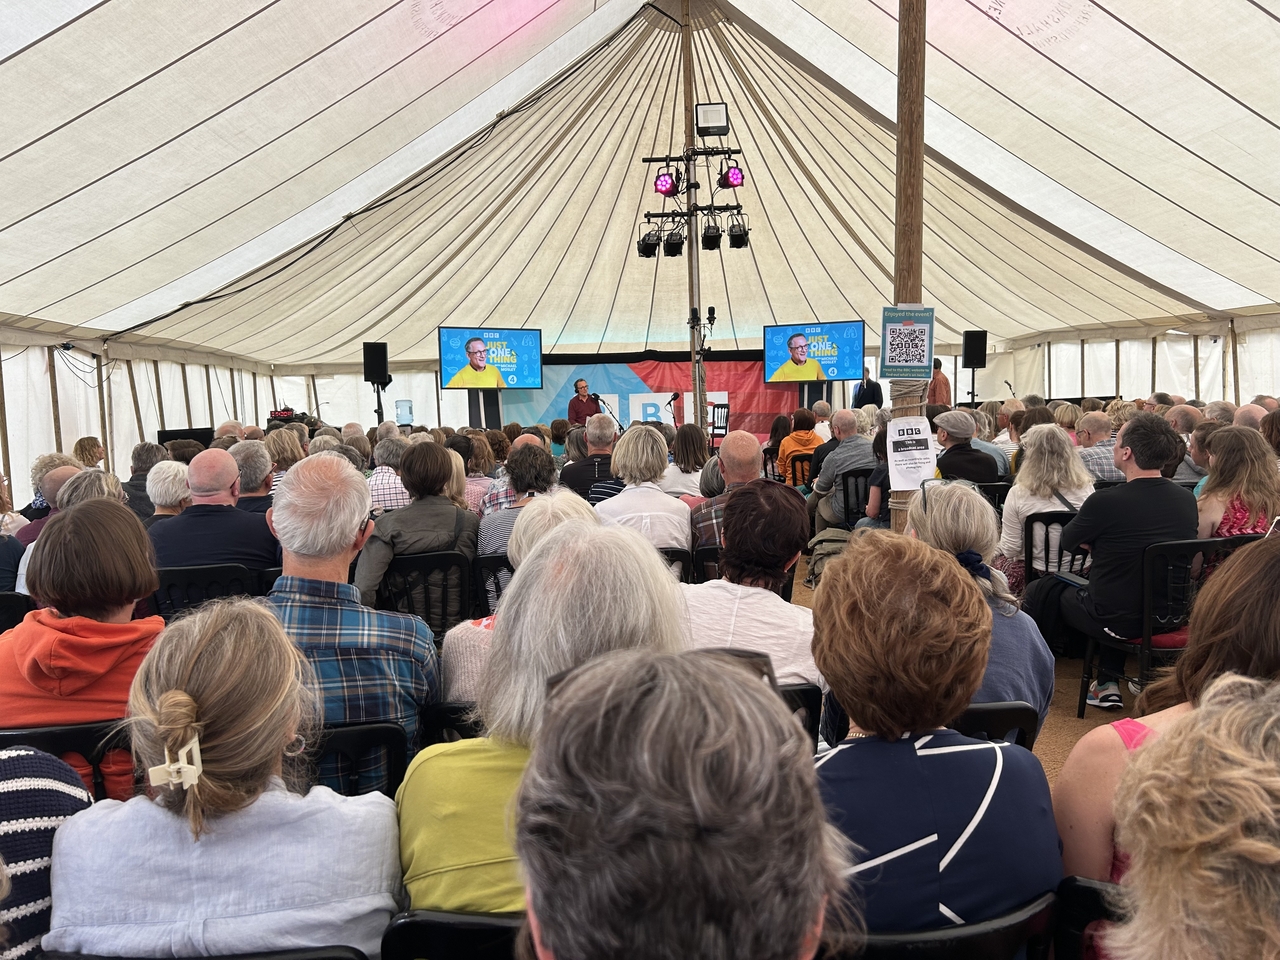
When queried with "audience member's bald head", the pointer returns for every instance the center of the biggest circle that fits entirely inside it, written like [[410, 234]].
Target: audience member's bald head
[[1250, 415], [253, 432], [740, 457], [845, 423], [1183, 418], [230, 428], [211, 475], [53, 481], [524, 440], [1093, 428]]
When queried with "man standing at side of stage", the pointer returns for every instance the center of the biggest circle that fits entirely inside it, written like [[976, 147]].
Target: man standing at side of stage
[[939, 386], [581, 406]]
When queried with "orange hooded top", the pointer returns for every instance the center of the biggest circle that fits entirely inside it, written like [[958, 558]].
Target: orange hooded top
[[56, 670]]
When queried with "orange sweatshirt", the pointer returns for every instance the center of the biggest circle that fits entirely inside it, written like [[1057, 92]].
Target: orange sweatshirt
[[798, 441], [56, 670]]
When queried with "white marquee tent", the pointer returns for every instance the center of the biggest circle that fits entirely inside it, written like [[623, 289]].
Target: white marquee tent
[[215, 204]]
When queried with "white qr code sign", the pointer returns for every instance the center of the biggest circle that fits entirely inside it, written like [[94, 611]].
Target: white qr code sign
[[906, 343]]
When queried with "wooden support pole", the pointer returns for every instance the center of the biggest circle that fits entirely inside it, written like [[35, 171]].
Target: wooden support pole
[[4, 434], [256, 416], [186, 394], [1195, 363], [1235, 360], [137, 407], [102, 417], [208, 388], [159, 394], [275, 404], [53, 397], [1048, 371], [315, 395], [235, 406], [1117, 368], [1083, 392], [1155, 341]]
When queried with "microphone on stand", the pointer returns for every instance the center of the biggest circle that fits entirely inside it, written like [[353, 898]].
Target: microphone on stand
[[674, 397], [1010, 386], [596, 396]]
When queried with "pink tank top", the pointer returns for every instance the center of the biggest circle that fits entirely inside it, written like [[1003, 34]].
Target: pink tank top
[[1235, 520]]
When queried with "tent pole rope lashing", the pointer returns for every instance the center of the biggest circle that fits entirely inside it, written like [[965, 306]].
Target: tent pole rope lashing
[[53, 399]]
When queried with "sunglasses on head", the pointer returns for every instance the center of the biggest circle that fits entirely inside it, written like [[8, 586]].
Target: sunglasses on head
[[936, 482]]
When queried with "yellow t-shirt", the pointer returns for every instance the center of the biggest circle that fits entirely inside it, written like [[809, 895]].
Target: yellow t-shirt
[[811, 369], [490, 378], [455, 827]]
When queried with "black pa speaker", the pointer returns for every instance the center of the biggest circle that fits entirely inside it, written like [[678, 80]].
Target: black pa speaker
[[375, 363], [975, 349]]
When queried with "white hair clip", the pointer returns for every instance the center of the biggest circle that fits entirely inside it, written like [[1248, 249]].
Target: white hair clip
[[184, 771]]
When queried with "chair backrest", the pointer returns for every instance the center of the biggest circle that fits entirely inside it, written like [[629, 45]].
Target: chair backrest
[[1168, 586], [433, 586], [302, 953], [1080, 902], [1045, 529], [13, 607], [706, 564], [446, 722], [436, 935], [267, 579], [805, 701], [770, 467], [1029, 927], [854, 486], [485, 575], [683, 558], [354, 742], [184, 587], [996, 721], [996, 493], [719, 421], [91, 740], [799, 476]]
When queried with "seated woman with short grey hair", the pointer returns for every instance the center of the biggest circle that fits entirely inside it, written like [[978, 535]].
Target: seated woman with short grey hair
[[640, 460], [167, 490], [582, 591]]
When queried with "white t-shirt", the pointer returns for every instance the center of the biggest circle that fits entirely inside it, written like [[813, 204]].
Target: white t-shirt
[[724, 614], [823, 429], [661, 519], [676, 483]]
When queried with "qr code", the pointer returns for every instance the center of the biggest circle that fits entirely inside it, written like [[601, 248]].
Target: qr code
[[908, 346]]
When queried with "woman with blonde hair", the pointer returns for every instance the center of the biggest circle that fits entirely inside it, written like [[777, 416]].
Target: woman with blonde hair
[[88, 450], [1242, 492], [456, 488], [227, 855], [1067, 416], [1197, 811], [285, 450], [1050, 478]]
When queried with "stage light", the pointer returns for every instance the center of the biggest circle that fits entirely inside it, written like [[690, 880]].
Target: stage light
[[711, 236], [738, 231], [667, 182], [673, 244], [647, 245], [711, 119], [731, 177]]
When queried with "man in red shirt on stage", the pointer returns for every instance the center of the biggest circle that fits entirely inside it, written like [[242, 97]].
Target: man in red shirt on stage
[[582, 406]]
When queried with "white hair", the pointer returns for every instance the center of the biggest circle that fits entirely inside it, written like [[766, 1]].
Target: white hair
[[321, 444], [601, 430], [583, 590], [543, 515], [167, 483], [321, 506]]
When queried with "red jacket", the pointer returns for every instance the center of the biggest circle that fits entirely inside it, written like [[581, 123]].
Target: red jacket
[[56, 670]]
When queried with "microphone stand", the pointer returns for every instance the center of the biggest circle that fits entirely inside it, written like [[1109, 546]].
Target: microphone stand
[[609, 410], [673, 410]]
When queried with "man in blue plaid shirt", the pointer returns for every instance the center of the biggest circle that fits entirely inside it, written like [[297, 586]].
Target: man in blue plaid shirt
[[371, 665]]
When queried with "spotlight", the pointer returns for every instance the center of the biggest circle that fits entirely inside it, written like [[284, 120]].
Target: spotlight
[[673, 244], [738, 231], [731, 178], [711, 236], [647, 245], [667, 182]]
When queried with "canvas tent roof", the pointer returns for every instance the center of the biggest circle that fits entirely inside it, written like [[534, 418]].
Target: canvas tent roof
[[320, 173]]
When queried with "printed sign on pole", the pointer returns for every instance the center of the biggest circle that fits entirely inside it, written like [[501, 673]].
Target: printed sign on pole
[[906, 343], [911, 456]]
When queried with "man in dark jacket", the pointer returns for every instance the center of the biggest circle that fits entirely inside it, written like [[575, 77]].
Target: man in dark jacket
[[959, 460], [144, 457], [867, 391]]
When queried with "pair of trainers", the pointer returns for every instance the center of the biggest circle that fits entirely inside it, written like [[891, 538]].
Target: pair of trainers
[[1105, 695]]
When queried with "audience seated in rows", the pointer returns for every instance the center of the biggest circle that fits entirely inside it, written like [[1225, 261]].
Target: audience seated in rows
[[800, 440], [465, 650], [531, 471], [1197, 812], [1051, 479], [430, 523], [639, 460], [765, 527], [256, 469], [959, 520], [144, 457], [959, 460], [167, 490], [370, 665], [72, 660], [455, 801], [226, 858], [853, 453], [669, 810], [950, 830], [1234, 629], [689, 456], [1242, 492], [739, 460]]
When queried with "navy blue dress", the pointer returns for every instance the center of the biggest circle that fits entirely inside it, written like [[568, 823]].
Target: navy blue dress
[[951, 830]]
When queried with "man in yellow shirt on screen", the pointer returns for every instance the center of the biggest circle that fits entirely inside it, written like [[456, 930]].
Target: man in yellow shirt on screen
[[798, 366], [477, 374]]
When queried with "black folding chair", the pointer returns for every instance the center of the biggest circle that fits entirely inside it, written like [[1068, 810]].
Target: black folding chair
[[719, 423], [1037, 530], [996, 493], [433, 586], [184, 587], [996, 721], [855, 500], [1029, 927], [13, 607], [676, 555], [800, 477], [706, 564], [303, 953], [1168, 588], [1080, 902], [91, 740], [436, 935], [805, 701], [486, 574], [446, 722], [354, 742]]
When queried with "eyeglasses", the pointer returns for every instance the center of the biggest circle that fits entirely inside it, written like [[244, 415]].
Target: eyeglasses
[[758, 663], [476, 353], [936, 482]]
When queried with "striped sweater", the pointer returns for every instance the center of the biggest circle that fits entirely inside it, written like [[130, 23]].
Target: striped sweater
[[37, 793]]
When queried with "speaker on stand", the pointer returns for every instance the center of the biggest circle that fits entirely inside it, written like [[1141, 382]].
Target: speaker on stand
[[974, 357], [376, 372]]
